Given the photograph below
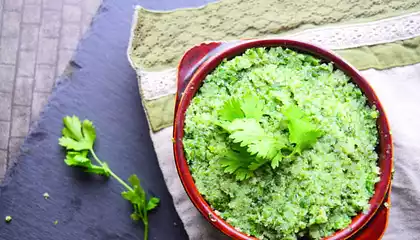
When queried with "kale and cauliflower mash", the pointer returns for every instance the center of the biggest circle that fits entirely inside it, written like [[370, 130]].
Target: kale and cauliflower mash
[[282, 145]]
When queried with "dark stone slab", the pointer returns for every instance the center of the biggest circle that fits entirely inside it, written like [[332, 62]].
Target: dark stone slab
[[103, 88]]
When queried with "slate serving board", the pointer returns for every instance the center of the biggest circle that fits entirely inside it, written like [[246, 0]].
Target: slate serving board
[[102, 87]]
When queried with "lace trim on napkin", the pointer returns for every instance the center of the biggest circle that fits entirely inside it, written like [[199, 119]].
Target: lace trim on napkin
[[158, 84]]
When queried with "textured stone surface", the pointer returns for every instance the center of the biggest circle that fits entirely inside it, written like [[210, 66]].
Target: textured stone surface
[[31, 14], [3, 163], [72, 1], [37, 40], [7, 78], [5, 106], [23, 91], [13, 5], [52, 4], [47, 50], [72, 13], [51, 24], [8, 50], [33, 2], [70, 34], [44, 78], [21, 116], [29, 37], [63, 57], [38, 102], [4, 134], [27, 60], [14, 147], [11, 24]]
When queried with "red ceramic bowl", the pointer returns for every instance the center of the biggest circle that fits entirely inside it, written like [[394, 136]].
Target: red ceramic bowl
[[193, 69]]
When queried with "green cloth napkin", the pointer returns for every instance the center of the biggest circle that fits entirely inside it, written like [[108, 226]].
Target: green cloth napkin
[[160, 38]]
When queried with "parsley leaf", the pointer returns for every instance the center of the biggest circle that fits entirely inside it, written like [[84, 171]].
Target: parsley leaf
[[277, 159], [260, 146], [80, 159], [137, 196], [231, 110], [240, 118], [76, 135], [301, 131], [237, 162], [152, 203], [250, 134], [250, 106], [141, 205], [78, 139]]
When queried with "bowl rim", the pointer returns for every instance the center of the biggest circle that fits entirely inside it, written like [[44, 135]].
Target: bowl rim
[[385, 156]]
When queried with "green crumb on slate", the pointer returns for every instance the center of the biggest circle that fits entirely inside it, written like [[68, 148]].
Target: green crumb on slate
[[55, 222], [46, 195], [8, 219]]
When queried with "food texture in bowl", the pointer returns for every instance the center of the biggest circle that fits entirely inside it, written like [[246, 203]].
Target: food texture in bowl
[[282, 145]]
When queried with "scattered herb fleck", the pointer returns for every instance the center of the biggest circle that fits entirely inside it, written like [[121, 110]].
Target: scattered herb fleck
[[8, 219], [46, 195]]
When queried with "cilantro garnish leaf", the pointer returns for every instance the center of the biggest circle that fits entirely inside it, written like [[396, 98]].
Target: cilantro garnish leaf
[[231, 110], [80, 159], [260, 148], [241, 119], [141, 206], [250, 106], [73, 128], [302, 131], [77, 135], [250, 134], [237, 162], [152, 203], [245, 131], [78, 139], [277, 159]]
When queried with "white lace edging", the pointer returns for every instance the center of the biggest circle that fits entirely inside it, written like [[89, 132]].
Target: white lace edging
[[363, 34], [158, 84]]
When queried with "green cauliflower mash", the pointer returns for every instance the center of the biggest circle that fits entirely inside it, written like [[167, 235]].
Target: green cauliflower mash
[[282, 145]]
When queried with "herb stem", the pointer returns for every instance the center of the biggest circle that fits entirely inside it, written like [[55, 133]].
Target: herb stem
[[121, 181], [110, 171], [95, 157], [146, 228]]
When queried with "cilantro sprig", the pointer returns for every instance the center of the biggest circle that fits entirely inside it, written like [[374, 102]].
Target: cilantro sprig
[[241, 119], [78, 139], [302, 131]]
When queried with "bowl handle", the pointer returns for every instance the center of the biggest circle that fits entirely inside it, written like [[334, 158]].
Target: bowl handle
[[190, 62]]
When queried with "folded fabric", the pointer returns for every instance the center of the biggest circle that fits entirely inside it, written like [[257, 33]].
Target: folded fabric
[[387, 50]]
